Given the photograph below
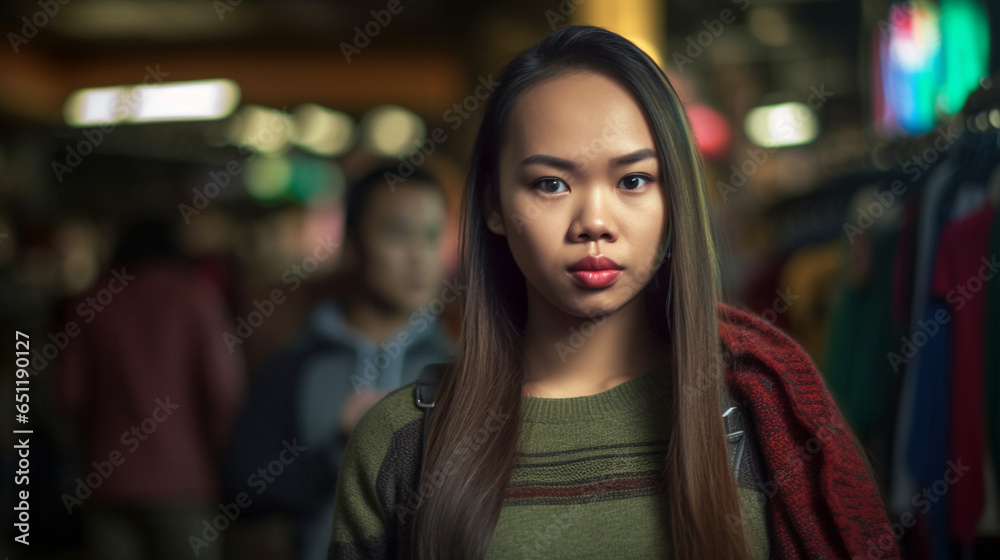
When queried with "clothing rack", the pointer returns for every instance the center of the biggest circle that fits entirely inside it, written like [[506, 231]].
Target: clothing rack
[[867, 319]]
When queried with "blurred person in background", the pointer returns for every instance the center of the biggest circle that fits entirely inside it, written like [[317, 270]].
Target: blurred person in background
[[154, 392], [353, 350]]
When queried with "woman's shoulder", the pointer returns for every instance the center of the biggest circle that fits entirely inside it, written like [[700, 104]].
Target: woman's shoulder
[[378, 477], [383, 452], [396, 411]]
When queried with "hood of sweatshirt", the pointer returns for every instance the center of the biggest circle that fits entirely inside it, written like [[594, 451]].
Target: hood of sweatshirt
[[343, 362]]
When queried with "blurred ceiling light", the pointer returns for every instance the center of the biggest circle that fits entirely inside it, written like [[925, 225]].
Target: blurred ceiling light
[[323, 131], [769, 26], [262, 129], [391, 130], [160, 102], [268, 178], [784, 124], [196, 100], [95, 106]]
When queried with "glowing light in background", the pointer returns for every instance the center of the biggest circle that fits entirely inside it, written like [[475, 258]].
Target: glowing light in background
[[391, 130], [966, 51], [711, 130], [96, 106], [313, 180], [769, 25], [268, 178], [929, 61], [914, 66], [641, 21], [324, 131], [783, 124], [199, 100], [263, 129], [76, 244], [304, 178], [162, 102]]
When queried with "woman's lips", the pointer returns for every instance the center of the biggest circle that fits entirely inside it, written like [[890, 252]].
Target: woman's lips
[[596, 278]]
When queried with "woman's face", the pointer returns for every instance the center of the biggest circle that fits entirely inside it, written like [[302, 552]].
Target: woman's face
[[579, 177]]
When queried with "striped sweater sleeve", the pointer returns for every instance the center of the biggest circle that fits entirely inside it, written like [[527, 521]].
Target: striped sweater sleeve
[[377, 474]]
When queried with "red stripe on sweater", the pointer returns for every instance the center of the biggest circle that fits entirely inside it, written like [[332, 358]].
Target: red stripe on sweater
[[591, 488]]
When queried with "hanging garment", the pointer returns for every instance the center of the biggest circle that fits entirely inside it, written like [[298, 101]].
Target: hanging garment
[[808, 278], [960, 272], [991, 357], [857, 370], [903, 486]]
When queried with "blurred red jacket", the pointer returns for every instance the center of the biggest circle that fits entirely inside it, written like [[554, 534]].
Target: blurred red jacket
[[822, 501], [151, 385]]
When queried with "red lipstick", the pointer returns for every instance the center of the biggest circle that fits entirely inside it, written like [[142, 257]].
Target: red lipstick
[[595, 272]]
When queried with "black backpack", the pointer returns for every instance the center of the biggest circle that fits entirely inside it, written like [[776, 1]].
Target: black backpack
[[741, 448]]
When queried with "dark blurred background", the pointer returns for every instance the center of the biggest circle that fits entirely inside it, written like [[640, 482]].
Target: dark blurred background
[[243, 122]]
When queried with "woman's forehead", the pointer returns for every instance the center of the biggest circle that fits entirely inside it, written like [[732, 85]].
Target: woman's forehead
[[577, 114]]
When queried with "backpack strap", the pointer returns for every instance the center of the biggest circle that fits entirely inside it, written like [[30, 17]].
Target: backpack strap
[[426, 386], [735, 431]]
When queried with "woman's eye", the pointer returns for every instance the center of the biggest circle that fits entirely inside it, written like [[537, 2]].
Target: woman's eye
[[634, 182], [549, 185]]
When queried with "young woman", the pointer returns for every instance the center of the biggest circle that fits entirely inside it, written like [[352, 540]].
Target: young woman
[[582, 414]]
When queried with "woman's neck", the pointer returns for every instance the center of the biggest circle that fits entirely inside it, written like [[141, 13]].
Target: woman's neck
[[568, 356]]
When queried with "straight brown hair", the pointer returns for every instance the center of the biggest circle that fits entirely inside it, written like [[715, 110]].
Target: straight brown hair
[[457, 517]]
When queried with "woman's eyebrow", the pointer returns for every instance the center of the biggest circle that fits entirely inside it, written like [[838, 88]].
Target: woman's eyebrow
[[560, 163], [551, 161], [636, 156]]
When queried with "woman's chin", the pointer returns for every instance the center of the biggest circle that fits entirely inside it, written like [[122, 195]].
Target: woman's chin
[[594, 306]]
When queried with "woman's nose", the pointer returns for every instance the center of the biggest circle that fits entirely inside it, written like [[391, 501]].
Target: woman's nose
[[594, 218]]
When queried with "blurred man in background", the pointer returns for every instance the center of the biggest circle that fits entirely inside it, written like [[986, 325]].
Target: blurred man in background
[[154, 391], [352, 351]]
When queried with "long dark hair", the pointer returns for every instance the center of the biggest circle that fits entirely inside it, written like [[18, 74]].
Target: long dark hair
[[459, 513]]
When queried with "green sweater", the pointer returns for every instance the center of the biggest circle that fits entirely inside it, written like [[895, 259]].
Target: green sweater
[[585, 485]]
